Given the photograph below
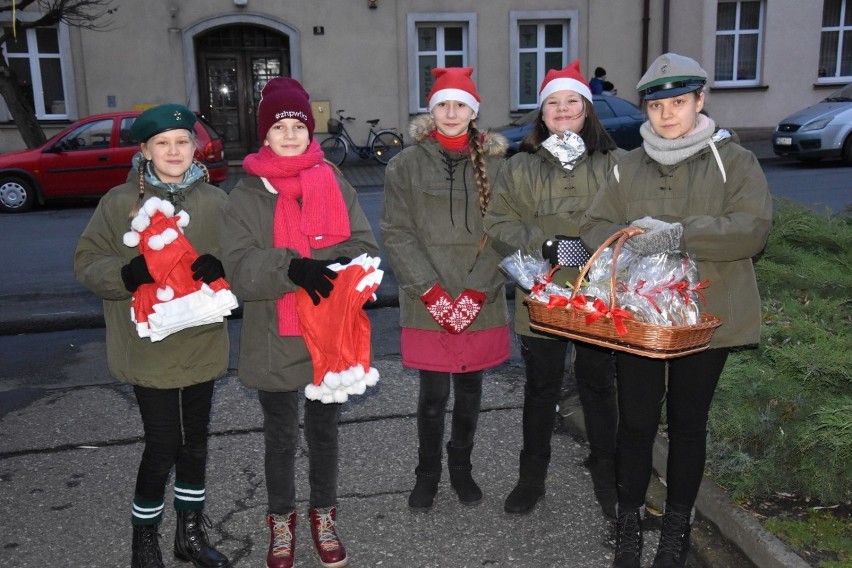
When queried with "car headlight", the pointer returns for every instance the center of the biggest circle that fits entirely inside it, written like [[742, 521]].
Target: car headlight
[[816, 125]]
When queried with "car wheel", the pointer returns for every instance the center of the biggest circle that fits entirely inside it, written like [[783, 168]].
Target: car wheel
[[847, 150], [16, 195]]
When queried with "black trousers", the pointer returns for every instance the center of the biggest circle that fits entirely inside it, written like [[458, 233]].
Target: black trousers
[[175, 423], [281, 439], [432, 407], [687, 391], [545, 369]]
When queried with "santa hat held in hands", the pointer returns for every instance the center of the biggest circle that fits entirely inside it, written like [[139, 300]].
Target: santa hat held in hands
[[570, 78], [454, 84]]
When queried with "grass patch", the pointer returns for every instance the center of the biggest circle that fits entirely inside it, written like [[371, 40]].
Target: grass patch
[[781, 421], [821, 536]]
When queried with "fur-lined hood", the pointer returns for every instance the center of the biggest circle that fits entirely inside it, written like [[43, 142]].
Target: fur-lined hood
[[493, 143]]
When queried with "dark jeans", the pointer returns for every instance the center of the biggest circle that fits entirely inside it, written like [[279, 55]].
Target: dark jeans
[[281, 438], [687, 391], [175, 423], [545, 370], [432, 407]]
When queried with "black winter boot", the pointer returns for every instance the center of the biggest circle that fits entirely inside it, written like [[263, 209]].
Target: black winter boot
[[428, 473], [628, 538], [191, 541], [674, 537], [603, 481], [146, 547], [530, 487], [458, 460]]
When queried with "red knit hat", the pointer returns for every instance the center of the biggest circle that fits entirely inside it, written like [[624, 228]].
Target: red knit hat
[[283, 97], [454, 84], [569, 78]]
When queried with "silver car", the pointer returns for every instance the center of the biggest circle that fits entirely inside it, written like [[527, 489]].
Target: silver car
[[823, 130]]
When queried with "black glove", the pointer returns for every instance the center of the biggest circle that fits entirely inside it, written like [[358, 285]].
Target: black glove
[[342, 260], [135, 273], [207, 268], [312, 275], [565, 251]]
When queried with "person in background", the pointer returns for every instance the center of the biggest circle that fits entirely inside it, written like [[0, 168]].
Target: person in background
[[596, 83], [539, 199], [452, 296], [608, 89], [693, 189], [283, 225], [174, 391]]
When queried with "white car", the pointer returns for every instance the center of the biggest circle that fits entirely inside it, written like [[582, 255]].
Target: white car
[[823, 130]]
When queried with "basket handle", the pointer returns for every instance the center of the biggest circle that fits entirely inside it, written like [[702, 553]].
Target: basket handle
[[618, 238]]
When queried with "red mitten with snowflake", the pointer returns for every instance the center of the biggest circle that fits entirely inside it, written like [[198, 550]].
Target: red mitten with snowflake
[[439, 304], [465, 309]]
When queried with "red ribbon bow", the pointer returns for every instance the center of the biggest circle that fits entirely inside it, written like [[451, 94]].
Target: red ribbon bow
[[618, 315], [556, 301]]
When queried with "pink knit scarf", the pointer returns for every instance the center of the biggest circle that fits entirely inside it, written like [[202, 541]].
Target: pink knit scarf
[[310, 212]]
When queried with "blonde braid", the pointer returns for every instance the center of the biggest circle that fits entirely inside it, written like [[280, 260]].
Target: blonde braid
[[480, 171], [141, 199]]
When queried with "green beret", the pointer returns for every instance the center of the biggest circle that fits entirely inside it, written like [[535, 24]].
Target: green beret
[[161, 118]]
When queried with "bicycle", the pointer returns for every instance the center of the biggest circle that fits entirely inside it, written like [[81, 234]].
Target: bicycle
[[382, 144]]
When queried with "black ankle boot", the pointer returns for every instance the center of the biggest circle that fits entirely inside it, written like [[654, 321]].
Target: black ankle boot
[[461, 480], [674, 537], [603, 481], [530, 487], [191, 541], [146, 547], [628, 538], [428, 473]]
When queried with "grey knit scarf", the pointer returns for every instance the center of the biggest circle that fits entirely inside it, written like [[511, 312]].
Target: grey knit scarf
[[670, 152]]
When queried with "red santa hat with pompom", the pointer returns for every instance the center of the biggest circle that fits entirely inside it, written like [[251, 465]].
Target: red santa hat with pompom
[[454, 84], [341, 351], [568, 79], [175, 300]]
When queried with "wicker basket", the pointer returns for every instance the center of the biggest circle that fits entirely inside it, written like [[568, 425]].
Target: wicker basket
[[333, 126], [648, 340]]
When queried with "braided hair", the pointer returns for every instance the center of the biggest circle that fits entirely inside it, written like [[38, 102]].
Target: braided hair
[[480, 171]]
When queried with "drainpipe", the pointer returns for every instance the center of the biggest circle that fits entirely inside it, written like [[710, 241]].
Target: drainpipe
[[646, 17], [666, 7]]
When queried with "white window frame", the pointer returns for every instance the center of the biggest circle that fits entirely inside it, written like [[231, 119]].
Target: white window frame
[[836, 78], [568, 18], [65, 64], [414, 20], [738, 33]]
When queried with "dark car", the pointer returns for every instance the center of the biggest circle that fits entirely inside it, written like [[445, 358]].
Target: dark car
[[823, 130], [621, 119], [87, 159]]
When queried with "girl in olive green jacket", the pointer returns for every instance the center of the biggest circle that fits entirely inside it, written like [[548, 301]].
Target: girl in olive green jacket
[[452, 298]]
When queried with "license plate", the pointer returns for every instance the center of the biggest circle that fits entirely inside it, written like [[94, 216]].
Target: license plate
[[783, 141]]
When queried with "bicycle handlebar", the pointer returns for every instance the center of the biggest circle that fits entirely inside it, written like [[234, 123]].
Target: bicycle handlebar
[[341, 117]]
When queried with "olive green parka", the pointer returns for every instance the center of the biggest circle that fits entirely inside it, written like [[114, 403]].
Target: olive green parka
[[431, 227], [191, 356], [257, 271], [726, 212], [535, 199]]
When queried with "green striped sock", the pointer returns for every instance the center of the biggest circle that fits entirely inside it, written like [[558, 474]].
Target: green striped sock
[[146, 512], [188, 496]]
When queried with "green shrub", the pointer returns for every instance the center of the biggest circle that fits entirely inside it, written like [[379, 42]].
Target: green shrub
[[781, 420]]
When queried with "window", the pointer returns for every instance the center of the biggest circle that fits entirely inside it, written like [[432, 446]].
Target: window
[[739, 26], [835, 49], [540, 41], [35, 58], [437, 40]]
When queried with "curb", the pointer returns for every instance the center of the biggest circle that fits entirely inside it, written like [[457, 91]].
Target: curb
[[760, 546]]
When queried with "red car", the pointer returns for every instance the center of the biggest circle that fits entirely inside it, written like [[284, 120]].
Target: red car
[[87, 159]]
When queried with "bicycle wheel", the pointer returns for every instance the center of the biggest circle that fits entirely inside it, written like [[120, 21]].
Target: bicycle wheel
[[386, 145], [335, 150]]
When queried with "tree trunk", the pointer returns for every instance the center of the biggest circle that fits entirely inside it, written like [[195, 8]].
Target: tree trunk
[[19, 108]]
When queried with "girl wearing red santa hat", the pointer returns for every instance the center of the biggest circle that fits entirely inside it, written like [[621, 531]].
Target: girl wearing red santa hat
[[452, 299], [174, 392], [284, 224], [539, 200]]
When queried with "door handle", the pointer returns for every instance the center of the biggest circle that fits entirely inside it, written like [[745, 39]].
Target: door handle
[[103, 158]]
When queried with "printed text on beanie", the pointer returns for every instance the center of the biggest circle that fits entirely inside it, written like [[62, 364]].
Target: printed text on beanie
[[283, 97]]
